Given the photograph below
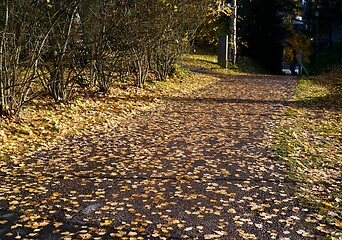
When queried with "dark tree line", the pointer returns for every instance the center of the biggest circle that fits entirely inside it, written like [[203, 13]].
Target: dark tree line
[[269, 25], [266, 25], [261, 27], [53, 46], [267, 29], [324, 16]]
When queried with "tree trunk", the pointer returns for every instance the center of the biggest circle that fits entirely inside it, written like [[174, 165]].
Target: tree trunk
[[233, 32], [3, 78]]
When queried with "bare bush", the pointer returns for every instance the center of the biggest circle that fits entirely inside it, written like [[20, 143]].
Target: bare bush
[[20, 50], [54, 45], [98, 21], [59, 68]]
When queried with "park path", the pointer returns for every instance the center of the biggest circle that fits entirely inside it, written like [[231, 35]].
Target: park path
[[197, 167]]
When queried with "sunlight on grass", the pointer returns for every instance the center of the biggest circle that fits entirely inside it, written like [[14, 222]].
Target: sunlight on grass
[[309, 88], [205, 61], [209, 61], [308, 141]]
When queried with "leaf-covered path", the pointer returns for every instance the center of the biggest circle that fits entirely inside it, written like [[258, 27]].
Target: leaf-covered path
[[196, 167]]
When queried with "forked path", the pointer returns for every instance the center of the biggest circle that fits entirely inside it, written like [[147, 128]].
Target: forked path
[[197, 167]]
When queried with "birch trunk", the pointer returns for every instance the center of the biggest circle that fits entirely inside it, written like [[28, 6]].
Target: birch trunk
[[233, 32], [3, 79]]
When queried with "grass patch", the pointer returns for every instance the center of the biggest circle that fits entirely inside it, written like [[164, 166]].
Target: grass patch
[[309, 141], [209, 62]]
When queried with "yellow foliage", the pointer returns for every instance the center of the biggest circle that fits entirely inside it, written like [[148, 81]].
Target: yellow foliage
[[327, 204], [295, 43]]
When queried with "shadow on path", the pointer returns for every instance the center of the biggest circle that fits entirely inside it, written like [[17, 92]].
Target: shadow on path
[[198, 167]]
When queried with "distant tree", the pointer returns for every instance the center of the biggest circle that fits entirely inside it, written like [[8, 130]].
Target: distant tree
[[294, 43], [264, 33], [296, 37], [266, 25], [216, 24], [326, 13]]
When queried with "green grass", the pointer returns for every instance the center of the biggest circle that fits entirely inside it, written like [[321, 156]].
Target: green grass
[[308, 141], [205, 60]]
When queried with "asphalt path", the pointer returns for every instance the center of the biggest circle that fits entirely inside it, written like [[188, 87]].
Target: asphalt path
[[199, 166]]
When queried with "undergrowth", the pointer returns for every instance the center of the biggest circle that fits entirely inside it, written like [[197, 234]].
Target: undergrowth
[[42, 123]]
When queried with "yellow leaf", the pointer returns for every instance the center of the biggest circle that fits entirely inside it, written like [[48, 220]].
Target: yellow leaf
[[12, 207], [338, 223], [328, 205], [106, 222], [105, 208], [232, 210], [44, 223], [175, 222], [86, 236]]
